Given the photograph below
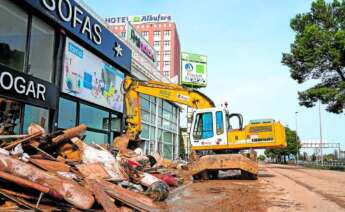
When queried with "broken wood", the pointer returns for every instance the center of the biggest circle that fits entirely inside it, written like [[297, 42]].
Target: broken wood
[[28, 138], [92, 171], [133, 199], [70, 133], [71, 191], [101, 197], [23, 182], [49, 165]]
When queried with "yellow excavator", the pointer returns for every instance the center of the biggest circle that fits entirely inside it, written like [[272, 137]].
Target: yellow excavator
[[212, 135]]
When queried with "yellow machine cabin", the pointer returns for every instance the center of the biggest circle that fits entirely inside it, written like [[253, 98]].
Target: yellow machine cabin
[[212, 130]]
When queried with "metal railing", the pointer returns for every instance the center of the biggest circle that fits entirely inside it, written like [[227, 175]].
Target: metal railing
[[340, 164]]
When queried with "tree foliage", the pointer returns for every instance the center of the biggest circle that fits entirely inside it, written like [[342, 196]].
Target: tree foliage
[[293, 146], [318, 53]]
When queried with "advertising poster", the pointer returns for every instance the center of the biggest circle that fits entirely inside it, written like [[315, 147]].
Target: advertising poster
[[90, 78], [193, 70], [137, 40]]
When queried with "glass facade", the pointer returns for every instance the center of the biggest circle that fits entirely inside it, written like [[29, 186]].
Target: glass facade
[[41, 46], [72, 113], [13, 35], [159, 126], [36, 115]]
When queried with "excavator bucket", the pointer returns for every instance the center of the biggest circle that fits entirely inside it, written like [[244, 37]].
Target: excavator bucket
[[207, 166]]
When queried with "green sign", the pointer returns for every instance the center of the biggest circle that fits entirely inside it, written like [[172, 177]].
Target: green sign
[[193, 70]]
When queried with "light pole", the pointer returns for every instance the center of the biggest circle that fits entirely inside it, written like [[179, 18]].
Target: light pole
[[320, 123], [296, 113]]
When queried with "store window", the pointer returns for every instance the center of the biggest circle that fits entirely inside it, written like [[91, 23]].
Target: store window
[[115, 123], [96, 137], [93, 117], [13, 31], [9, 117], [41, 50], [67, 113], [36, 115]]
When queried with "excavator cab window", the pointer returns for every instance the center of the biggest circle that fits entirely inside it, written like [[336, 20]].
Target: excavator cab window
[[219, 123], [203, 127]]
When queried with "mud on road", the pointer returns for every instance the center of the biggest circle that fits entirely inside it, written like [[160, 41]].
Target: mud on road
[[279, 188]]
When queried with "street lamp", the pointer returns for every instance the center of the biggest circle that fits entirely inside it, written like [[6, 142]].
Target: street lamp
[[296, 113], [320, 123]]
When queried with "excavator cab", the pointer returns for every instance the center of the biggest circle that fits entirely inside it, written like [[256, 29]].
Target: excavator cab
[[209, 127]]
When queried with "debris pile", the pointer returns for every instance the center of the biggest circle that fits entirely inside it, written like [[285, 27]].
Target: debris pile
[[58, 171]]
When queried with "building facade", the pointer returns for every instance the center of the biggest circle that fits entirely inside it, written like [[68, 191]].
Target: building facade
[[60, 67], [161, 32], [160, 118]]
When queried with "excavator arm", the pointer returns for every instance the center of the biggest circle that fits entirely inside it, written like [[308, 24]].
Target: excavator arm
[[171, 92]]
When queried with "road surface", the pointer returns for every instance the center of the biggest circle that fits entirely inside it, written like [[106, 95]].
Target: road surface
[[279, 188]]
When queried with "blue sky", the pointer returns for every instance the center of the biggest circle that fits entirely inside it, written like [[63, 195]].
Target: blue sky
[[244, 41]]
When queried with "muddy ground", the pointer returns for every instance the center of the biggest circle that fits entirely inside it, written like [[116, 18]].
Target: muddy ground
[[279, 188]]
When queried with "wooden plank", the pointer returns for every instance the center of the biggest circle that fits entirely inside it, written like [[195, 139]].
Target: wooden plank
[[101, 197], [15, 143], [70, 133], [130, 198], [49, 165], [92, 171], [23, 182]]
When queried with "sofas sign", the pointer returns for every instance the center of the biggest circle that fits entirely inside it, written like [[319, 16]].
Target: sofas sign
[[75, 19]]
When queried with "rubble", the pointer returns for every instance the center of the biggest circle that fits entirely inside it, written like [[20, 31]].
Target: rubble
[[59, 172]]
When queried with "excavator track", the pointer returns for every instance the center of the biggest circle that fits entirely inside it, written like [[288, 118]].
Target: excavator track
[[207, 167]]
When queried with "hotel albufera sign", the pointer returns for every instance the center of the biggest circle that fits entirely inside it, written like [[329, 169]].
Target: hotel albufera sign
[[193, 70], [138, 19]]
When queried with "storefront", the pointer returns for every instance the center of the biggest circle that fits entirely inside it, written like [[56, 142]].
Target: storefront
[[59, 67]]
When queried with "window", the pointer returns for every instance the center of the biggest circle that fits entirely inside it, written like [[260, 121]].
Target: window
[[67, 113], [41, 50], [219, 123], [156, 33], [115, 123], [167, 33], [13, 31], [36, 115], [203, 127], [145, 131], [145, 35], [166, 73], [167, 43], [167, 63], [167, 53], [93, 117], [156, 44], [96, 137], [9, 117], [123, 34]]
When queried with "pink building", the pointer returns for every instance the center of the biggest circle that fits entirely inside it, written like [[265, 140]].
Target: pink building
[[161, 33]]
